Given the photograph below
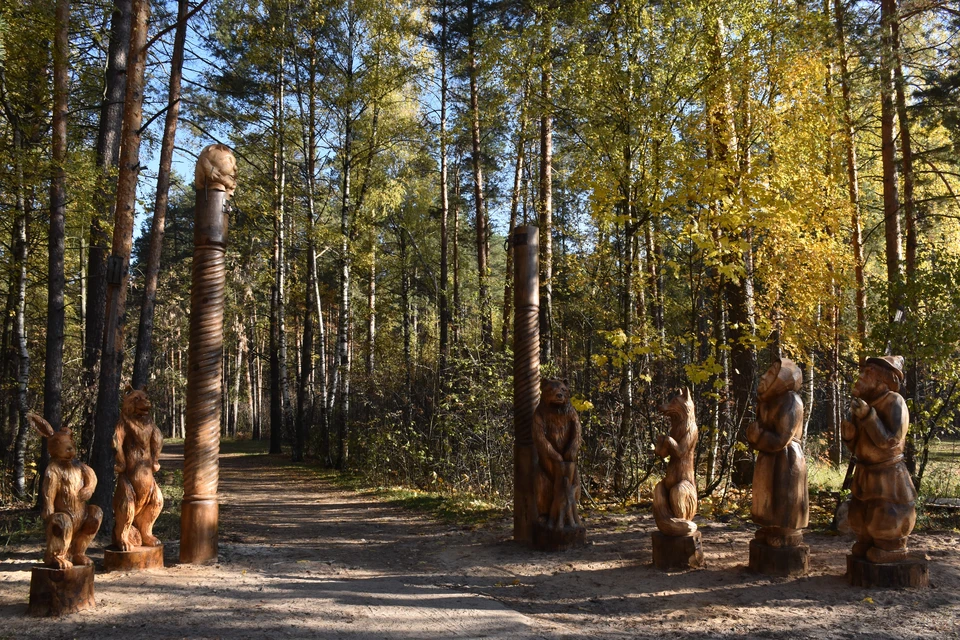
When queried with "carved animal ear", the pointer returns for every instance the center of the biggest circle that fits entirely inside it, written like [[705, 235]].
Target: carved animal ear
[[565, 382], [127, 388], [41, 425]]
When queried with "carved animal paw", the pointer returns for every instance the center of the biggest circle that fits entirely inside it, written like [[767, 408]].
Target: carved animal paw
[[62, 563], [150, 541], [81, 560]]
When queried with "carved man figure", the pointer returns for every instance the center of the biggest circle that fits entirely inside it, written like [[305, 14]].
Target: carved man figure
[[882, 511], [781, 504], [137, 500], [675, 497], [556, 436]]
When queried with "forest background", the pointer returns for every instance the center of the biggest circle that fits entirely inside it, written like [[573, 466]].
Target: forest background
[[716, 184]]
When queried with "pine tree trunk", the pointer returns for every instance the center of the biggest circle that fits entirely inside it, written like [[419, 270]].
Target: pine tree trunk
[[56, 280], [514, 211], [111, 365], [107, 158], [891, 200], [853, 178], [483, 246], [142, 359], [546, 213], [279, 391]]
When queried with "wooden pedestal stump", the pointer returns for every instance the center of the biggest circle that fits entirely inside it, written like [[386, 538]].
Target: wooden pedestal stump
[[779, 561], [56, 592], [549, 539], [677, 553], [912, 572], [137, 559]]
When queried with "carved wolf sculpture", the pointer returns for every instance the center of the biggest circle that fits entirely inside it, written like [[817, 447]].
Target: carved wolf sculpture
[[67, 485], [556, 435], [137, 500], [675, 497], [216, 169]]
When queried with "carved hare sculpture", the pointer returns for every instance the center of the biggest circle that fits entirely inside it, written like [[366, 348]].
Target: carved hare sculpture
[[67, 485]]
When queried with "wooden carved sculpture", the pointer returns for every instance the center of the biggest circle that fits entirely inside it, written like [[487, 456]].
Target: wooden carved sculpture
[[216, 169], [556, 437], [67, 485], [137, 500], [781, 504], [882, 512], [675, 497]]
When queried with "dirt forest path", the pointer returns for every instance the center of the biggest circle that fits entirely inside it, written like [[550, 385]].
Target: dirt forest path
[[300, 558]]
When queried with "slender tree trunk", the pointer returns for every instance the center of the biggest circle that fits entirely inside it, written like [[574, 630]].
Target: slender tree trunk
[[514, 211], [455, 320], [906, 149], [142, 359], [20, 245], [546, 211], [483, 247], [279, 390], [372, 307], [107, 157], [891, 200], [56, 281], [853, 179], [444, 303], [111, 365]]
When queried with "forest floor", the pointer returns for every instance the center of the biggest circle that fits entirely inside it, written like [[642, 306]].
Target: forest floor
[[303, 558]]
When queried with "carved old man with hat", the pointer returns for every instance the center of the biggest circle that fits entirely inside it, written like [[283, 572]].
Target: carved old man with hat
[[882, 511]]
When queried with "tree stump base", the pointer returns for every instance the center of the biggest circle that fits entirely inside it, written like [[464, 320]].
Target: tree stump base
[[57, 592], [912, 572], [137, 559], [779, 561], [548, 539], [677, 553]]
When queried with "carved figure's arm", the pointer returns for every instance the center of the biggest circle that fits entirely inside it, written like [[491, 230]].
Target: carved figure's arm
[[51, 483], [881, 433], [156, 443], [776, 433], [119, 463], [544, 448], [89, 483], [670, 446], [574, 445], [848, 432]]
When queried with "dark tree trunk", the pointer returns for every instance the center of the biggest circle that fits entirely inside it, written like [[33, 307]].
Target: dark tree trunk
[[111, 365], [142, 359], [891, 200], [483, 246], [108, 155]]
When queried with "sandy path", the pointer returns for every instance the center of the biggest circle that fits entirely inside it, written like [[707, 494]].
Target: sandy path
[[302, 559]]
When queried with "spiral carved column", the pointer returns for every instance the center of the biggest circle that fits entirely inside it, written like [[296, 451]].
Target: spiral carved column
[[201, 450], [526, 376]]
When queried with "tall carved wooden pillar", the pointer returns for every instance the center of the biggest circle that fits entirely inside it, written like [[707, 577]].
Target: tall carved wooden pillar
[[526, 376], [215, 182]]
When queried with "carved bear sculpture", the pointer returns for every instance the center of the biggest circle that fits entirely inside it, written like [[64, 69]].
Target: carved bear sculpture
[[556, 436], [137, 500], [781, 504], [675, 497], [67, 485], [882, 505], [216, 169]]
